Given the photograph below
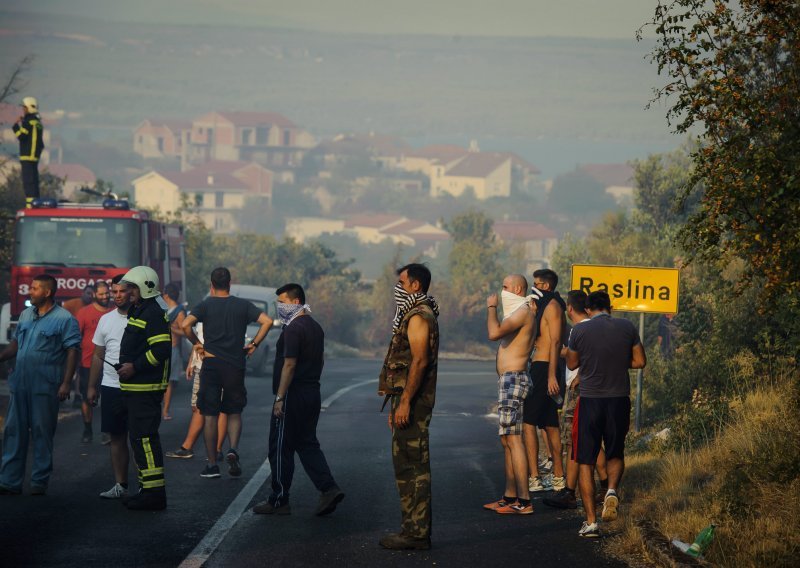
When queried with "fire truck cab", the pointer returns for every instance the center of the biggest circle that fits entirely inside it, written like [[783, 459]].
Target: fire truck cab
[[79, 244]]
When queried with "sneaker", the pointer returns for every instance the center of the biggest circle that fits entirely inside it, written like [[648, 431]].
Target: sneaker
[[38, 490], [559, 483], [210, 471], [535, 485], [87, 437], [494, 505], [400, 541], [105, 439], [267, 508], [589, 530], [181, 453], [7, 491], [546, 465], [116, 492], [547, 482], [507, 509], [328, 501], [610, 504], [521, 509], [234, 467], [562, 500]]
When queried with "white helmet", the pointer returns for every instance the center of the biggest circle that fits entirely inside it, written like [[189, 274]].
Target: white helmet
[[30, 104], [145, 278]]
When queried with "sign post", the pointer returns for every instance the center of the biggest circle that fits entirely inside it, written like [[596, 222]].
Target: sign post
[[632, 289]]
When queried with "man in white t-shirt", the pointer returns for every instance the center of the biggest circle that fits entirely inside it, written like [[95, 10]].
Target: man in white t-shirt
[[114, 418]]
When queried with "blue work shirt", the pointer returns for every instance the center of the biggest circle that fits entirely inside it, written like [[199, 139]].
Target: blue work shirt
[[42, 344]]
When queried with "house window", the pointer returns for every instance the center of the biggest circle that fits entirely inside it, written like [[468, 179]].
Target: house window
[[219, 199], [262, 136], [160, 142], [287, 137], [247, 136], [198, 199]]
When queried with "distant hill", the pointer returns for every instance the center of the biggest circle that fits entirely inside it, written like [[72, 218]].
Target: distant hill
[[420, 87]]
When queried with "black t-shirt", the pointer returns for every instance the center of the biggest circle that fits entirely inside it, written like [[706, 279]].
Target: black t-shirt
[[605, 346], [305, 340], [225, 321]]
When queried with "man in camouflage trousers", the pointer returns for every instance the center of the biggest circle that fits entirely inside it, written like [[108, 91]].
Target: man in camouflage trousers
[[408, 379]]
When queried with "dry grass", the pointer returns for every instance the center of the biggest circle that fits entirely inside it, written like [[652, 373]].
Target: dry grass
[[746, 482]]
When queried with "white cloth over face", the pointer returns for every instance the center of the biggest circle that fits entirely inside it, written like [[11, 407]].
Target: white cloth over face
[[513, 302]]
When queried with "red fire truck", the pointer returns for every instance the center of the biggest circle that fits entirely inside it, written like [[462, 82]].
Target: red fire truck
[[79, 244]]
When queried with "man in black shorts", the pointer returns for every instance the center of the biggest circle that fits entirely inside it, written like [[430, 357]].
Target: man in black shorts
[[225, 319], [114, 416], [295, 382], [604, 348]]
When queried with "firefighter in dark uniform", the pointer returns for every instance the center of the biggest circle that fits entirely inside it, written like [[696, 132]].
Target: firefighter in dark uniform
[[143, 377], [30, 133]]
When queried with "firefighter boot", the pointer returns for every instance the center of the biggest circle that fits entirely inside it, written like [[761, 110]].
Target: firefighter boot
[[148, 500]]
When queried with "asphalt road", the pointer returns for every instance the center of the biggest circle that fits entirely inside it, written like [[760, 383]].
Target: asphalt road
[[209, 520]]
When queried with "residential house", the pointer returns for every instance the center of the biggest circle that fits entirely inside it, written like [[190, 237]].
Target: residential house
[[267, 138], [218, 191], [160, 138], [486, 174], [375, 228], [618, 179], [537, 241], [303, 229], [75, 177], [379, 147]]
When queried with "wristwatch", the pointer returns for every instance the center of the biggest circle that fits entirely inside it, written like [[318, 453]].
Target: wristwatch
[[254, 344], [278, 398]]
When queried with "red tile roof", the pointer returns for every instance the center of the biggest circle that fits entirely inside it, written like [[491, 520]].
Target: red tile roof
[[72, 172], [522, 231], [478, 164], [610, 174], [377, 144], [219, 166], [442, 152], [375, 221], [176, 125], [520, 162], [239, 118]]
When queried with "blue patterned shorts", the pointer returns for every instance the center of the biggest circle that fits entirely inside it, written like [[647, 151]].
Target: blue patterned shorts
[[512, 388]]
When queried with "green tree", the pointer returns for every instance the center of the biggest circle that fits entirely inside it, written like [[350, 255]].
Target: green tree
[[733, 73], [475, 268]]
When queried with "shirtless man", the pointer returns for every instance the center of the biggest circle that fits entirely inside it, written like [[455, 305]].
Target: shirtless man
[[540, 409], [516, 334]]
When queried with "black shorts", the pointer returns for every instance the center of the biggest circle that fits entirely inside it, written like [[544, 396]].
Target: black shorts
[[113, 412], [83, 382], [539, 409], [601, 422], [221, 388]]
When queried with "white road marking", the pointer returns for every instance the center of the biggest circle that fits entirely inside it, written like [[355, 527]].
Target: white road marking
[[331, 399], [225, 523]]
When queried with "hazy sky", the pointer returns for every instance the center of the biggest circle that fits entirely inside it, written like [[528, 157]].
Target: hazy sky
[[581, 18]]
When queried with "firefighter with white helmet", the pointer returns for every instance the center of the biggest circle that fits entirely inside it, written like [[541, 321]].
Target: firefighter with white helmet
[[30, 133], [144, 359]]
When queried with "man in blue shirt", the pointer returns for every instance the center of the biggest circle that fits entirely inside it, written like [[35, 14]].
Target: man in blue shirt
[[47, 346]]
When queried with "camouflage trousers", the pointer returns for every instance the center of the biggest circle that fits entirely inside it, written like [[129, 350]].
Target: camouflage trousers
[[412, 471]]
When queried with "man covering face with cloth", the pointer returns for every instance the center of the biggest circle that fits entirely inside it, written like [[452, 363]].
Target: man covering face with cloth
[[408, 380]]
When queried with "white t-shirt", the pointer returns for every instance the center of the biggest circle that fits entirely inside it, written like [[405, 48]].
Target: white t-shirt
[[109, 335], [571, 374]]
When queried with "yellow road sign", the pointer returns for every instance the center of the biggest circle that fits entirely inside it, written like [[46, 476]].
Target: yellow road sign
[[631, 288]]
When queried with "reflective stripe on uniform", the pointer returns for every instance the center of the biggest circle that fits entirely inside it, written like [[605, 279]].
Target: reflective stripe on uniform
[[142, 387], [137, 323], [151, 358], [159, 338]]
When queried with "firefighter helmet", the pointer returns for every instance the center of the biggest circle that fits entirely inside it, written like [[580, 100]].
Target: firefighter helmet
[[30, 104], [145, 278]]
